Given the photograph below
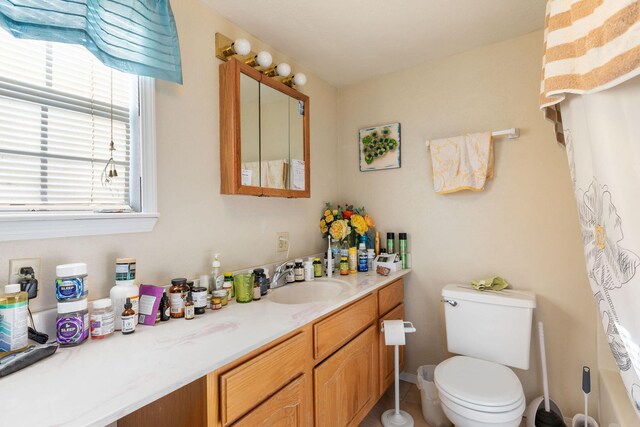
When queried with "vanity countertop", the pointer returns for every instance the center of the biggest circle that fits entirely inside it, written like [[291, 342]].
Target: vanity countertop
[[101, 381]]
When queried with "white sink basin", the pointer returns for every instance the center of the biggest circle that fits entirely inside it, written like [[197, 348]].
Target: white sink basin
[[306, 292]]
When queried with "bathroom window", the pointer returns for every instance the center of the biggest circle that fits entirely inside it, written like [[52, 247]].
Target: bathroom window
[[60, 109]]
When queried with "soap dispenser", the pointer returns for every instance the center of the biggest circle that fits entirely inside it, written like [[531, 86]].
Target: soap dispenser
[[216, 278]]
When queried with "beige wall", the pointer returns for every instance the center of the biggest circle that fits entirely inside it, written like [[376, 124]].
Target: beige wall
[[195, 219], [523, 227]]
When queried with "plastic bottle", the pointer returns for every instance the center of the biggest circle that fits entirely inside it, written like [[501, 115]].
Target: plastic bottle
[[308, 271], [129, 318], [228, 285], [189, 308], [363, 259], [165, 308], [298, 270], [119, 293], [353, 260], [102, 319], [371, 256], [216, 279], [14, 305], [177, 293]]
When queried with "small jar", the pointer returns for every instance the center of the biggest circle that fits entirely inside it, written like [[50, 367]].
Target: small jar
[[125, 269], [102, 319], [72, 323], [209, 296], [216, 303], [344, 266], [199, 294], [317, 267], [223, 295], [298, 270], [71, 282], [308, 271], [290, 277]]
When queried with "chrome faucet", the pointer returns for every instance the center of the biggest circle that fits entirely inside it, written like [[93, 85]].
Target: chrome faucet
[[280, 273]]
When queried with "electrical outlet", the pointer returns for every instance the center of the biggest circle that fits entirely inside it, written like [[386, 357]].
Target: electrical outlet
[[16, 264], [282, 241]]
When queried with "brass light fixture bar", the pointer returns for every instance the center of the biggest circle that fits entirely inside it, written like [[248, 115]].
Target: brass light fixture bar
[[261, 61]]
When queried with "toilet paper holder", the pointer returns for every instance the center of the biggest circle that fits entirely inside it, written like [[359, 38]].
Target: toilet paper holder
[[394, 335], [408, 327]]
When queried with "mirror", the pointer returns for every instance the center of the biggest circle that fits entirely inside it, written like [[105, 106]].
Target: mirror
[[250, 130], [264, 134]]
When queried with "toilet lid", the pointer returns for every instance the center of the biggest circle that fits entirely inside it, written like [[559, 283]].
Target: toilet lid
[[479, 383]]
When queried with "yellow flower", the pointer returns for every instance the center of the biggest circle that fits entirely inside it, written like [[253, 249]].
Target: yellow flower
[[327, 212], [335, 212], [323, 223], [369, 221], [324, 229], [359, 224], [339, 229], [329, 218]]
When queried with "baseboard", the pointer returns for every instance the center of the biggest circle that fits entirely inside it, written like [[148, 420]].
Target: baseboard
[[410, 378]]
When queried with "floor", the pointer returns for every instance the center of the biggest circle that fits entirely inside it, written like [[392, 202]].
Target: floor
[[409, 401]]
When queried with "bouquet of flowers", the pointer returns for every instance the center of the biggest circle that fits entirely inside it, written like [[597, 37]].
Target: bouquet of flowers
[[345, 223]]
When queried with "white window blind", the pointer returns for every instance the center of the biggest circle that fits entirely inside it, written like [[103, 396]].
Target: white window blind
[[59, 109]]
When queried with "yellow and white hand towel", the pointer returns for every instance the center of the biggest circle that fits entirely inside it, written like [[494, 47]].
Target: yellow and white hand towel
[[462, 162]]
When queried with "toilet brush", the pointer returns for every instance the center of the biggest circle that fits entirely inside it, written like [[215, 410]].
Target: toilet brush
[[545, 417], [394, 334]]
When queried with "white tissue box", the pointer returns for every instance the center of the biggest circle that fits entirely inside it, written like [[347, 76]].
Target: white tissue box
[[390, 261]]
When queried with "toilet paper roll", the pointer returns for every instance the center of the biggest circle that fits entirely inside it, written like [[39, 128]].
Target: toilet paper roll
[[394, 332]]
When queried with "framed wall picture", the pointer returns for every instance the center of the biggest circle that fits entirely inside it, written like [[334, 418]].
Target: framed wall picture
[[379, 147]]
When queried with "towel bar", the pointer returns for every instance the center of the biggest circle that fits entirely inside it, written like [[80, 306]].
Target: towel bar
[[512, 133]]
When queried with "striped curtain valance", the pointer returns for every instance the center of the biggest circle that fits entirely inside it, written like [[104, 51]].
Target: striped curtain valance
[[590, 45], [134, 36]]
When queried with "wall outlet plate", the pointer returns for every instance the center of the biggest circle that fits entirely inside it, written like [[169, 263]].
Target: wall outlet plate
[[16, 264], [282, 241]]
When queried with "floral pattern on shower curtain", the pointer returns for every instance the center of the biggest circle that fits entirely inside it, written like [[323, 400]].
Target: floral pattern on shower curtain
[[602, 137]]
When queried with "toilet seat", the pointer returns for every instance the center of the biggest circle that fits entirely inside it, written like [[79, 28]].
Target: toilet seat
[[479, 385]]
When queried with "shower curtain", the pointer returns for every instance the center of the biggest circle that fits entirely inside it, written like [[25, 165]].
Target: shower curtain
[[591, 90]]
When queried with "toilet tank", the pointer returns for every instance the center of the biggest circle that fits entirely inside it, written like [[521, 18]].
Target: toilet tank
[[489, 325]]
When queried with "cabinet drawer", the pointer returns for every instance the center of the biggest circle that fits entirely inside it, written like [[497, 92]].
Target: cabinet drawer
[[286, 408], [390, 296], [331, 333], [245, 386]]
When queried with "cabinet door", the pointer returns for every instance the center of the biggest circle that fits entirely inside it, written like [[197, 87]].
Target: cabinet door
[[345, 385], [286, 408], [386, 351]]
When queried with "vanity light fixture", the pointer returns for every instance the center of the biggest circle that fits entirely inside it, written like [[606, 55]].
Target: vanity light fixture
[[262, 59], [298, 79], [226, 48], [281, 70]]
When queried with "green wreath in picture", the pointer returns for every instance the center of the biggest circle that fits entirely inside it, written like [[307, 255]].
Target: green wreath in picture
[[378, 144]]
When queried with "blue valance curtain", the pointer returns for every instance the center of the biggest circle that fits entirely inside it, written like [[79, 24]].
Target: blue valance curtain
[[134, 36]]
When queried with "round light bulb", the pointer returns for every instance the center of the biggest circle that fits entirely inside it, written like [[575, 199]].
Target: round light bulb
[[264, 58], [283, 69], [242, 47], [299, 79]]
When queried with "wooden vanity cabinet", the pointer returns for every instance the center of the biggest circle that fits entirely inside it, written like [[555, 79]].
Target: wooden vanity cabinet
[[330, 372]]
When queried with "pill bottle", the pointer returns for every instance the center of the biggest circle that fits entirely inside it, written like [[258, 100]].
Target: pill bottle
[[102, 319]]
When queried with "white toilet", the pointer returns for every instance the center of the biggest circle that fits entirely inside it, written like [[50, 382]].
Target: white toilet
[[488, 330]]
